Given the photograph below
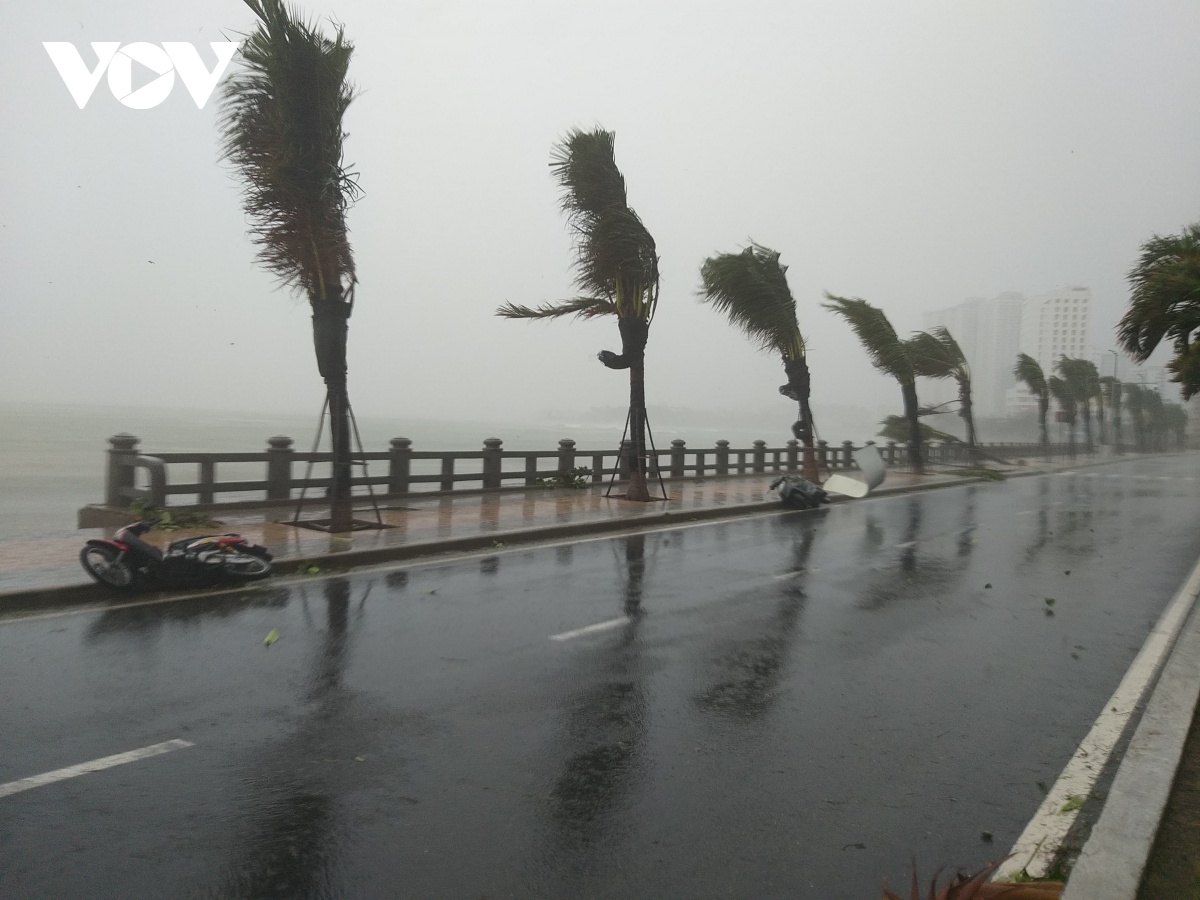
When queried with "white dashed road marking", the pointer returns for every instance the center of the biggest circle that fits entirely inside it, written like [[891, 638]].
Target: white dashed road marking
[[591, 629], [25, 784]]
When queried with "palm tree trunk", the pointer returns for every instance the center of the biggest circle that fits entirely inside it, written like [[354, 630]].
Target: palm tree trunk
[[1100, 418], [968, 414], [330, 326], [915, 462], [1043, 433], [638, 489], [800, 386], [1117, 435], [1087, 426]]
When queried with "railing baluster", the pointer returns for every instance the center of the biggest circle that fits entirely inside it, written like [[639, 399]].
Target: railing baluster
[[208, 477]]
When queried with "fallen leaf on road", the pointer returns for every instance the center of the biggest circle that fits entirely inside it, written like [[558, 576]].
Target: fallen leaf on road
[[359, 759], [272, 637], [1073, 803]]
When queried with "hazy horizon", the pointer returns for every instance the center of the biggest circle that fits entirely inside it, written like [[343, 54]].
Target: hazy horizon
[[914, 154]]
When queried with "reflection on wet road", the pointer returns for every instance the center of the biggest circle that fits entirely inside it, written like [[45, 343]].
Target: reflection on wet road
[[785, 706]]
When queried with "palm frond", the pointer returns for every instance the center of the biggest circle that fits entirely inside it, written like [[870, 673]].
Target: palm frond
[[584, 162], [1029, 371], [887, 352], [1165, 298], [615, 256], [896, 428], [751, 288], [580, 307], [1060, 390], [930, 357], [281, 128]]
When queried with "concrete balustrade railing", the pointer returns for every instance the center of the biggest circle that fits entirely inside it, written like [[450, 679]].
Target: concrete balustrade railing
[[400, 470]]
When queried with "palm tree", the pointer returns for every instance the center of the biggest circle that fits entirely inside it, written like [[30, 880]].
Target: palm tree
[[1175, 419], [281, 128], [1112, 397], [889, 355], [751, 288], [1135, 399], [937, 355], [1060, 390], [1165, 303], [1081, 375], [616, 271], [1029, 371], [1156, 420]]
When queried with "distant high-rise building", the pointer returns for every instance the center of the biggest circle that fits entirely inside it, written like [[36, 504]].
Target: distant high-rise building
[[988, 331], [1053, 325]]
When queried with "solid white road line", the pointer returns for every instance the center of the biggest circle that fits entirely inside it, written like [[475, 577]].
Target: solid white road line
[[591, 629], [15, 787], [1038, 844]]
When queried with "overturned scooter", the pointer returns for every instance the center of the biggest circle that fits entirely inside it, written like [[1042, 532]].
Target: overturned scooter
[[798, 493]]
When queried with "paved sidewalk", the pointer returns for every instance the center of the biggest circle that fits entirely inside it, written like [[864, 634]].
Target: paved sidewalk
[[432, 522]]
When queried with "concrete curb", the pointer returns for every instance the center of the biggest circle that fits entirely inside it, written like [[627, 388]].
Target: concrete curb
[[30, 599], [1111, 864]]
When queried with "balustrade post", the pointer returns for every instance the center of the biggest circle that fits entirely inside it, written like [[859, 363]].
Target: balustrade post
[[208, 479], [279, 469], [531, 470], [597, 468], [793, 455], [122, 452], [399, 465], [822, 454], [566, 456], [491, 463], [847, 454], [722, 457], [760, 456], [678, 450], [890, 458], [447, 473], [623, 460]]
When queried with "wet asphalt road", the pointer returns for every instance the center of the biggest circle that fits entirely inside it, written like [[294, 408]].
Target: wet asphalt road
[[795, 706]]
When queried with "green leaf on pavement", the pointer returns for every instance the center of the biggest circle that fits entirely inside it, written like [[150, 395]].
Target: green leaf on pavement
[[1073, 803], [272, 637]]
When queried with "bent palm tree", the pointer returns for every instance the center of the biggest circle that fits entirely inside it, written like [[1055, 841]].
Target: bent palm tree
[[1060, 389], [1135, 399], [751, 288], [889, 355], [1081, 375], [1028, 371], [937, 355], [1112, 398], [1165, 303], [281, 127], [616, 271]]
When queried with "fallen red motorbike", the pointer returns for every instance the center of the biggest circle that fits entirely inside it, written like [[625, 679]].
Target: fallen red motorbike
[[126, 562]]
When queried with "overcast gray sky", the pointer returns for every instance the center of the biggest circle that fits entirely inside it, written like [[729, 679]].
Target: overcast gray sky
[[911, 153]]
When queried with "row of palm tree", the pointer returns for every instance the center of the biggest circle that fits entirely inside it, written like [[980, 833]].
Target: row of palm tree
[[616, 273], [1076, 385], [282, 129]]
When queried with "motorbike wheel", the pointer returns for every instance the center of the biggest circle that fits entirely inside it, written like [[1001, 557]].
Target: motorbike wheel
[[245, 566], [106, 567]]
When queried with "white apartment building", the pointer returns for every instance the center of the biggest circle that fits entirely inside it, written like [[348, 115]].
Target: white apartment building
[[1055, 324], [989, 332]]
